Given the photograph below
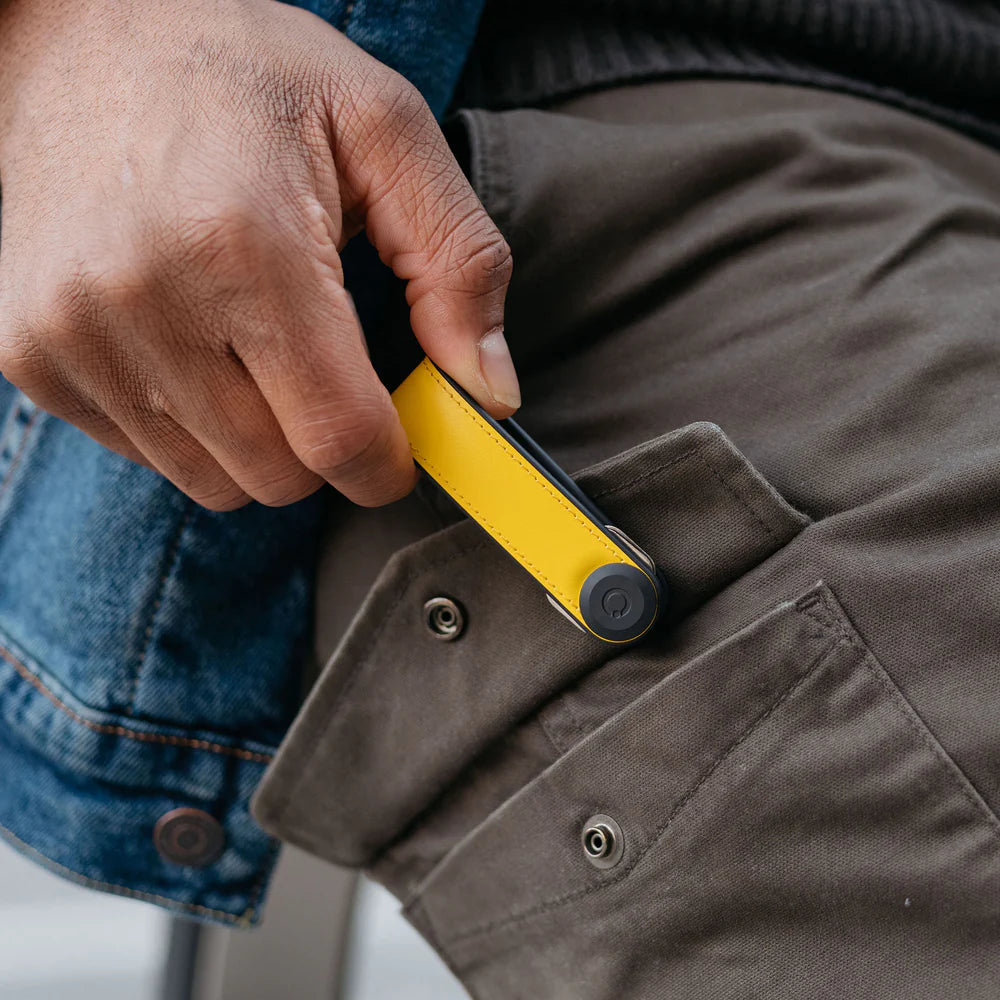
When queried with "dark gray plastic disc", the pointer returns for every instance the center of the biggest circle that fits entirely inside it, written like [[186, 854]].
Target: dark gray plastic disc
[[618, 602]]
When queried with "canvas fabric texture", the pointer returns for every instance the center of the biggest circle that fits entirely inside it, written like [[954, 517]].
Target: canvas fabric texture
[[764, 321]]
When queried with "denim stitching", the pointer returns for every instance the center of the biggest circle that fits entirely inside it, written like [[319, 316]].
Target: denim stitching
[[132, 734], [173, 555], [239, 919], [345, 21], [25, 438]]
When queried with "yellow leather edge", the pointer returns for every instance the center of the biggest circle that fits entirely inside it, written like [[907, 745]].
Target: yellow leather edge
[[512, 499]]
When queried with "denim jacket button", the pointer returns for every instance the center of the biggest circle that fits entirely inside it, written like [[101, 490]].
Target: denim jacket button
[[189, 837], [444, 618]]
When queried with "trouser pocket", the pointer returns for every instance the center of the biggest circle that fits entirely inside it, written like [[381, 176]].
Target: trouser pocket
[[786, 824]]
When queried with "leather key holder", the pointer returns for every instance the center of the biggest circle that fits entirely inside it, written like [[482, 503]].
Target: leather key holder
[[591, 570]]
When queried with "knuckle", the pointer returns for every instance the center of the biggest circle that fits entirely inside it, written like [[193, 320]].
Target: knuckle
[[391, 98], [120, 289], [272, 474], [67, 309], [341, 448], [405, 109], [73, 316], [160, 414], [389, 116], [485, 263], [21, 361], [225, 249], [54, 322]]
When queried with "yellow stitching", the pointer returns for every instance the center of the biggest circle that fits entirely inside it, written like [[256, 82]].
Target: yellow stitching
[[457, 493], [524, 468], [132, 734], [243, 918]]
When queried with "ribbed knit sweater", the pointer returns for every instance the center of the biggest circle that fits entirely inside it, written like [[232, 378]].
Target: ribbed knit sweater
[[940, 58]]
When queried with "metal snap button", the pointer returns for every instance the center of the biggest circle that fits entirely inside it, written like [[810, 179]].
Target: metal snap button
[[444, 618], [603, 841], [189, 837]]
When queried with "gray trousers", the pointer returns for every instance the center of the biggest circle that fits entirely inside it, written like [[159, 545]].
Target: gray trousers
[[766, 322]]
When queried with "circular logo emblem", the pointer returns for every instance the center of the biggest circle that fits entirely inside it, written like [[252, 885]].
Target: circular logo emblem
[[615, 603]]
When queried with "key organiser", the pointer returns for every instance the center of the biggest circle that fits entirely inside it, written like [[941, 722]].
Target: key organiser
[[591, 570]]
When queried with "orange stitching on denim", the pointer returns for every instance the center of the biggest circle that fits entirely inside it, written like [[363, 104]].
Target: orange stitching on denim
[[132, 734], [25, 436], [345, 21], [240, 919]]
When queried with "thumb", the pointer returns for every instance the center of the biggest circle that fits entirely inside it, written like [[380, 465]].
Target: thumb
[[428, 225]]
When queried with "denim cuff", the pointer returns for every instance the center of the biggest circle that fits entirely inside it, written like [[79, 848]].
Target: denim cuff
[[84, 795]]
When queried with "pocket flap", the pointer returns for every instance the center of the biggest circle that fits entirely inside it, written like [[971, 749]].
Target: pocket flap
[[397, 714]]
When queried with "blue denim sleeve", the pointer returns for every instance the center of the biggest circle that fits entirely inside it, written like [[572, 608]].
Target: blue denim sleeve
[[425, 40], [150, 650]]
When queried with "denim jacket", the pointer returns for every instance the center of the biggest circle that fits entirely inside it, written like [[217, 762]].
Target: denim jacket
[[151, 650]]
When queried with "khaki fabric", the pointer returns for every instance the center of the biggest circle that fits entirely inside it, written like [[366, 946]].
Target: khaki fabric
[[766, 323]]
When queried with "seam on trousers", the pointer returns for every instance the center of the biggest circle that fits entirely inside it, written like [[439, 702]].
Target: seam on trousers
[[649, 474], [132, 734], [658, 834], [238, 919], [916, 721], [698, 451], [553, 740]]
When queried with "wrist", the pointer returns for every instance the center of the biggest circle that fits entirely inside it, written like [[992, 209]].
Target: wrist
[[45, 48], [24, 25]]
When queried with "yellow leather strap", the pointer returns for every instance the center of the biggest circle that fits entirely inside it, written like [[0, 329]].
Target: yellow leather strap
[[502, 490]]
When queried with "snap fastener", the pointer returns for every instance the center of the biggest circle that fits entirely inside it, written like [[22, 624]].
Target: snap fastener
[[603, 841], [189, 837], [444, 618]]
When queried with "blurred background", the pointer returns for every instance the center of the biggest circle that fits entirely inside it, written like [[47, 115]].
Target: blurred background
[[326, 936]]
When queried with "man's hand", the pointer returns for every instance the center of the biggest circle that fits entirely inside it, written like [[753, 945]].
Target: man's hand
[[178, 180]]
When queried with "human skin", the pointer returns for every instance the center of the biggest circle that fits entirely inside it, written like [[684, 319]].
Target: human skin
[[178, 182]]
